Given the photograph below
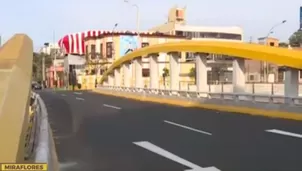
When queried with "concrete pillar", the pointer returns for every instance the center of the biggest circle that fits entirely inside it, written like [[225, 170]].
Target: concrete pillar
[[138, 72], [154, 73], [127, 74], [201, 72], [110, 80], [174, 70], [238, 75], [291, 82], [117, 77]]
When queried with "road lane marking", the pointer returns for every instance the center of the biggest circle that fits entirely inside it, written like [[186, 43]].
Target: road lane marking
[[164, 153], [67, 165], [63, 94], [276, 131], [110, 106], [78, 93], [186, 127], [78, 98]]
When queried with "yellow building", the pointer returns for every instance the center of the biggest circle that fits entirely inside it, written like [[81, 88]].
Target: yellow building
[[102, 51]]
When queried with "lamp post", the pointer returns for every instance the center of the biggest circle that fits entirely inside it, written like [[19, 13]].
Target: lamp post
[[46, 45], [266, 43], [137, 22], [54, 60], [113, 50]]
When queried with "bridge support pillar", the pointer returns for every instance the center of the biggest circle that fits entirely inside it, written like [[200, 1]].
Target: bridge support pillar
[[238, 75], [154, 71], [110, 80], [127, 74], [138, 72], [201, 72], [291, 83], [174, 70], [117, 77]]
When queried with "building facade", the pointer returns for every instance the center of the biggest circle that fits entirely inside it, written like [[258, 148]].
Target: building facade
[[219, 66], [107, 48]]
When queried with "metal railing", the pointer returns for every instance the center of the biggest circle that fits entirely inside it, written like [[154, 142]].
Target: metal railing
[[244, 97]]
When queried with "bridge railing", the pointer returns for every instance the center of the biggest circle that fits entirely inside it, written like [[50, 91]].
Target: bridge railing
[[21, 119], [273, 105]]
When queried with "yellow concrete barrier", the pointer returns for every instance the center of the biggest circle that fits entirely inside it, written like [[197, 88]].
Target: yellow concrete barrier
[[186, 103], [16, 57]]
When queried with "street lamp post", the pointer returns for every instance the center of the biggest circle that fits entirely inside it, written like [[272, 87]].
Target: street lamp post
[[46, 45], [54, 60], [113, 50], [137, 22], [266, 43]]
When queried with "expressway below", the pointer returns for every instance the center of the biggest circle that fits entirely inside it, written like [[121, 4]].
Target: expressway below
[[94, 132]]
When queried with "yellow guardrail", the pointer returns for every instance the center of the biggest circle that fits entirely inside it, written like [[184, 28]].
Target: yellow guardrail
[[16, 57]]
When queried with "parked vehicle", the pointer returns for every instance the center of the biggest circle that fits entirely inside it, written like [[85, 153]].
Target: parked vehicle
[[36, 86]]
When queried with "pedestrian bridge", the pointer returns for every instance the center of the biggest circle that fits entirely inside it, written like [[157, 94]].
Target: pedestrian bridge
[[281, 56], [19, 129]]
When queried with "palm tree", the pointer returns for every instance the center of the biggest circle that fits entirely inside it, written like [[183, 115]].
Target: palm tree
[[165, 74], [192, 74]]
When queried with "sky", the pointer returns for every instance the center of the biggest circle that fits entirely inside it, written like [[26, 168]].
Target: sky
[[49, 20]]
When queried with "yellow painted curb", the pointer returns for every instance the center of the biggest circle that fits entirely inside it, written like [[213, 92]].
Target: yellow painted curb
[[185, 103]]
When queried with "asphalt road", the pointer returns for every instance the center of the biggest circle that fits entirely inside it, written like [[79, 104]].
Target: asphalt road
[[103, 133]]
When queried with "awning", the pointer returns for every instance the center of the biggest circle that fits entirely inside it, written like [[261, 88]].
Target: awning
[[75, 60]]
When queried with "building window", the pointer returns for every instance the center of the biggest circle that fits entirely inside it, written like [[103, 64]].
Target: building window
[[87, 52], [272, 44], [101, 50], [179, 33], [93, 55], [190, 56], [146, 72], [109, 49], [145, 44], [251, 77]]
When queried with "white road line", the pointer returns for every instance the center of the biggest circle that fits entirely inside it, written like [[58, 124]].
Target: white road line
[[110, 106], [164, 153], [78, 93], [63, 94], [186, 127], [78, 98], [276, 131]]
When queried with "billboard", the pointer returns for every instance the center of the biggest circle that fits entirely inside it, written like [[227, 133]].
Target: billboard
[[128, 44], [301, 17]]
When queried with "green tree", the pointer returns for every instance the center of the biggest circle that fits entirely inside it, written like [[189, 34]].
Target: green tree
[[283, 44], [37, 65], [295, 39], [192, 73], [165, 74]]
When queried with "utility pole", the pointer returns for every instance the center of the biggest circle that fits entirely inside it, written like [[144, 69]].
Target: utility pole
[[46, 45], [266, 68], [43, 68], [137, 22], [54, 60]]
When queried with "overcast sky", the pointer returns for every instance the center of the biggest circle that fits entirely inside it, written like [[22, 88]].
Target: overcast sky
[[38, 18]]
